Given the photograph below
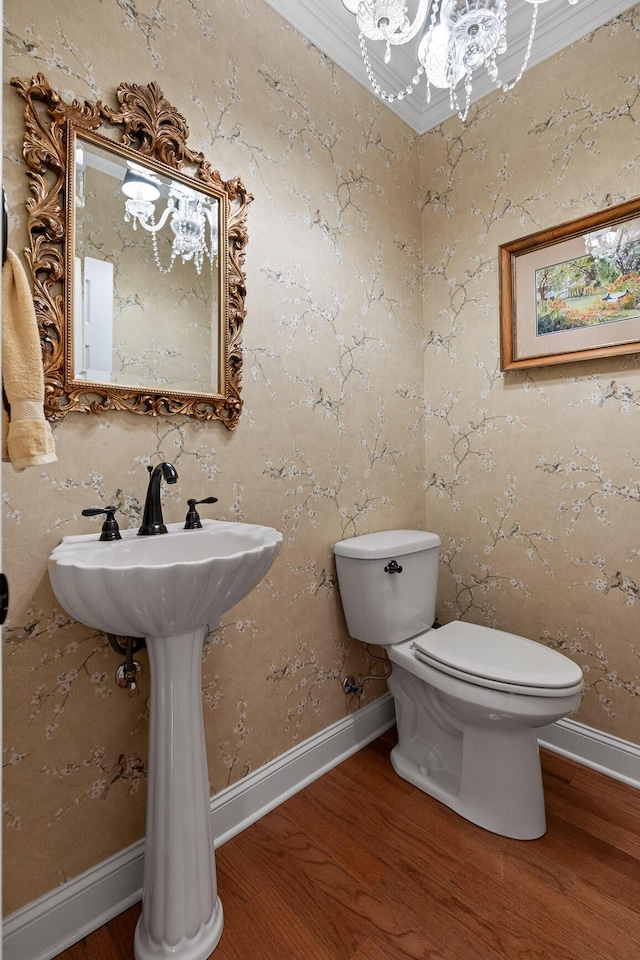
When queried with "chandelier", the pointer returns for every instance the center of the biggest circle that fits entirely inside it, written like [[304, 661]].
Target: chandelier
[[609, 243], [189, 214], [458, 37]]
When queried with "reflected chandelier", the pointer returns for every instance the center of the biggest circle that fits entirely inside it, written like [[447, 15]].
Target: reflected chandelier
[[190, 214], [608, 243], [458, 38]]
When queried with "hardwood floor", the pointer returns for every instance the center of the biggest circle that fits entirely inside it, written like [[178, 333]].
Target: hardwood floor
[[362, 866]]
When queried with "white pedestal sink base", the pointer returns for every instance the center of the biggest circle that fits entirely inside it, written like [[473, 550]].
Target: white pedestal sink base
[[200, 948], [181, 913], [147, 587]]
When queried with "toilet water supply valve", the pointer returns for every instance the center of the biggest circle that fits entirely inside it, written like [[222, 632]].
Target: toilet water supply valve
[[128, 673], [349, 684]]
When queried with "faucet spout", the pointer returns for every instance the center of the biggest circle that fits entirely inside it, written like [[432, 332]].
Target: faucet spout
[[152, 520]]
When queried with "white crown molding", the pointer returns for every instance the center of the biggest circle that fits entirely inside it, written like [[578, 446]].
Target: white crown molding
[[331, 28]]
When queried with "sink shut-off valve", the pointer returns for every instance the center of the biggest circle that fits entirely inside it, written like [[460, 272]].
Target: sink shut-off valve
[[128, 673]]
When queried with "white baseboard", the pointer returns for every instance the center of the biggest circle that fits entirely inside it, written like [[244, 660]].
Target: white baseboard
[[610, 755], [43, 929]]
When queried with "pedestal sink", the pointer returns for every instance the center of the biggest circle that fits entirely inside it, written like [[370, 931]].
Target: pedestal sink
[[170, 589]]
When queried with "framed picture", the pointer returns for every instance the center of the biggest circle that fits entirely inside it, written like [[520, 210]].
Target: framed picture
[[572, 292]]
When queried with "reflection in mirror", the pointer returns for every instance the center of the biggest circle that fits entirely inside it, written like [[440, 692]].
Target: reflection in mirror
[[137, 248], [146, 253]]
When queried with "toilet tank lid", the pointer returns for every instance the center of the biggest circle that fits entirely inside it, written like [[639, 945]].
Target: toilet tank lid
[[386, 544]]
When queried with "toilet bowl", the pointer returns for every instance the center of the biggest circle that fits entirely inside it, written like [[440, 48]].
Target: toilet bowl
[[469, 699]]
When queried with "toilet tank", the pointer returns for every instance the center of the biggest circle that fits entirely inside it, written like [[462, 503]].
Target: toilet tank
[[382, 607]]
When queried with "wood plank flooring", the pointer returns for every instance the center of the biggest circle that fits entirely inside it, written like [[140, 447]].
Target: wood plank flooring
[[360, 865]]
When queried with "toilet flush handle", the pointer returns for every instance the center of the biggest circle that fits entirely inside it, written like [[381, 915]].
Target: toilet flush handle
[[393, 567]]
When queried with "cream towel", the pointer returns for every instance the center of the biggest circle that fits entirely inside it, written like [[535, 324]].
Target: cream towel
[[27, 440]]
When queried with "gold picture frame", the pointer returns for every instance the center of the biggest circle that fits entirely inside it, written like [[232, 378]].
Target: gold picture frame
[[143, 130], [572, 292]]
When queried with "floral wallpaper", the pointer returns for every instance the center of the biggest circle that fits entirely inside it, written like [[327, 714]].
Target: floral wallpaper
[[373, 399], [533, 476], [330, 442]]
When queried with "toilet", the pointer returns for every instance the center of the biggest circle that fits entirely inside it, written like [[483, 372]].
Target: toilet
[[469, 699]]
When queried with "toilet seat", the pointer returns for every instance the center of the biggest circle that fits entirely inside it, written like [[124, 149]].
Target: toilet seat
[[498, 660]]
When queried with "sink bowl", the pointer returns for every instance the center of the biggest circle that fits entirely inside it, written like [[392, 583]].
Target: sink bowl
[[164, 585]]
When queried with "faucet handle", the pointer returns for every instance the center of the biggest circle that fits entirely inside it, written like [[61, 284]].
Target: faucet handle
[[110, 529], [192, 520]]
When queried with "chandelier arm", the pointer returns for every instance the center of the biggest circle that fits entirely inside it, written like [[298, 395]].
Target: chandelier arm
[[153, 226]]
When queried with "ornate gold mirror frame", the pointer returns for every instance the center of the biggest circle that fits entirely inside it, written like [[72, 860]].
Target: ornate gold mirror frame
[[145, 128]]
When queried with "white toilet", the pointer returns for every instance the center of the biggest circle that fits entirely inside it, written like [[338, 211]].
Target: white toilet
[[468, 699]]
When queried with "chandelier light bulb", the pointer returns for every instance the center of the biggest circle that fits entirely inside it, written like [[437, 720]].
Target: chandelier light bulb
[[137, 186], [433, 55]]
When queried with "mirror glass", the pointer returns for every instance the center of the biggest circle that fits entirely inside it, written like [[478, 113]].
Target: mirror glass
[[137, 248], [146, 276]]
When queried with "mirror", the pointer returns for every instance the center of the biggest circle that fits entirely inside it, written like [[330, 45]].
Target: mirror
[[137, 270], [137, 249]]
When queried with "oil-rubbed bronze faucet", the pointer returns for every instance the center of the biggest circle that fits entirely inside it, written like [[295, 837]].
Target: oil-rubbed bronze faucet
[[152, 521]]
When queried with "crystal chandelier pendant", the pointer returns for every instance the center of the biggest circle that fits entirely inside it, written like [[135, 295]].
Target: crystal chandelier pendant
[[387, 20], [459, 38], [477, 34], [138, 210], [189, 238]]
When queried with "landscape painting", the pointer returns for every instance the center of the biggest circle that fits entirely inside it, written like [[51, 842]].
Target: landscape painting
[[601, 287], [572, 292]]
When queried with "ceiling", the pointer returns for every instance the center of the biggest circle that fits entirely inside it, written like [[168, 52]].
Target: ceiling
[[331, 28]]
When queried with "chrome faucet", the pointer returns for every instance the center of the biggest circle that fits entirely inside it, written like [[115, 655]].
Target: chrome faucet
[[152, 521]]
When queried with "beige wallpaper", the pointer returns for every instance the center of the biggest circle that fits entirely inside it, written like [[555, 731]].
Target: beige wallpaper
[[532, 480], [533, 477], [330, 442]]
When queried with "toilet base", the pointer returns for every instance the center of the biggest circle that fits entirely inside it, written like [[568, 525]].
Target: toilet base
[[472, 747], [474, 750], [498, 786]]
